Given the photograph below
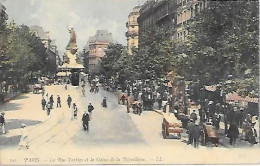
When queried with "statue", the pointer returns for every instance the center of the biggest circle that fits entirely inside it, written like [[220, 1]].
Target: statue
[[72, 46], [72, 36]]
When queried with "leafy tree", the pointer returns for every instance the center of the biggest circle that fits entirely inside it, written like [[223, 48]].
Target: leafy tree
[[156, 56], [109, 66], [223, 41]]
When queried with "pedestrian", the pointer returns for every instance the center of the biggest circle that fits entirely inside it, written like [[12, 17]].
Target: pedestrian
[[193, 116], [48, 107], [24, 137], [190, 127], [90, 109], [58, 101], [85, 120], [197, 129], [233, 134], [43, 103], [104, 102], [123, 99], [51, 101], [2, 122], [75, 111], [69, 100]]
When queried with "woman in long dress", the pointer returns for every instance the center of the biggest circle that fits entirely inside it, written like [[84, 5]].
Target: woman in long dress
[[24, 138]]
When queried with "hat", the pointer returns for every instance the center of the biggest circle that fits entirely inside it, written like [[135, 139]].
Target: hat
[[211, 102], [191, 120], [2, 113], [23, 125]]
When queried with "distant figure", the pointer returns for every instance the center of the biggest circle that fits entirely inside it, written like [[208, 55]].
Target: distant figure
[[75, 111], [123, 99], [24, 138], [48, 107], [66, 86], [69, 100], [58, 101], [233, 134], [190, 127], [43, 103], [51, 101], [2, 122], [90, 109], [104, 103], [196, 134], [85, 120]]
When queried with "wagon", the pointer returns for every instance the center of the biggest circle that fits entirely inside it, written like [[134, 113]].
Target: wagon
[[171, 125], [134, 106], [122, 98], [210, 135]]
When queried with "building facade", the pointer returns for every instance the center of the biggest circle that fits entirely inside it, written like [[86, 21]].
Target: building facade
[[132, 29], [186, 10], [160, 13], [51, 49], [95, 49]]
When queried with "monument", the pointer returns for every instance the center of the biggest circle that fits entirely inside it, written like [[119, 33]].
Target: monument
[[71, 67]]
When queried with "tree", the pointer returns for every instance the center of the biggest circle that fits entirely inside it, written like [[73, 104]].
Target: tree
[[223, 41], [109, 66], [156, 55]]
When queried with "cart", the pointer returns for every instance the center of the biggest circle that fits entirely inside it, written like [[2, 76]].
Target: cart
[[171, 125], [134, 106], [210, 135]]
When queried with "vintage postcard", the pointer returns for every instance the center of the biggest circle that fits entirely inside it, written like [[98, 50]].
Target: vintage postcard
[[86, 82]]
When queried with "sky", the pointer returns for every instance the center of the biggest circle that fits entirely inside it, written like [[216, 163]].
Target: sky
[[85, 16]]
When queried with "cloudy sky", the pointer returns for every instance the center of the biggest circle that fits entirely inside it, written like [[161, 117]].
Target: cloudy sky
[[86, 16]]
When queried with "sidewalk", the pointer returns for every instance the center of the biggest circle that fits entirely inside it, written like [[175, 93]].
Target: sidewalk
[[11, 96]]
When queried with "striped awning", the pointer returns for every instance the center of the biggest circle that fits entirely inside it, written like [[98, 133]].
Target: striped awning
[[236, 97], [211, 88]]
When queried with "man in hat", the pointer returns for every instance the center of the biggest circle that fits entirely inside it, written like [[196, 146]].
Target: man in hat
[[24, 137], [85, 120], [2, 122]]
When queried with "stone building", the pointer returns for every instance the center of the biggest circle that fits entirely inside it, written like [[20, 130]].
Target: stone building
[[161, 13], [51, 49], [95, 49], [132, 29], [186, 10]]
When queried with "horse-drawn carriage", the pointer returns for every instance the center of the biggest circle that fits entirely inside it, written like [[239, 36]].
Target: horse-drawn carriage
[[171, 125], [209, 135], [122, 98]]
